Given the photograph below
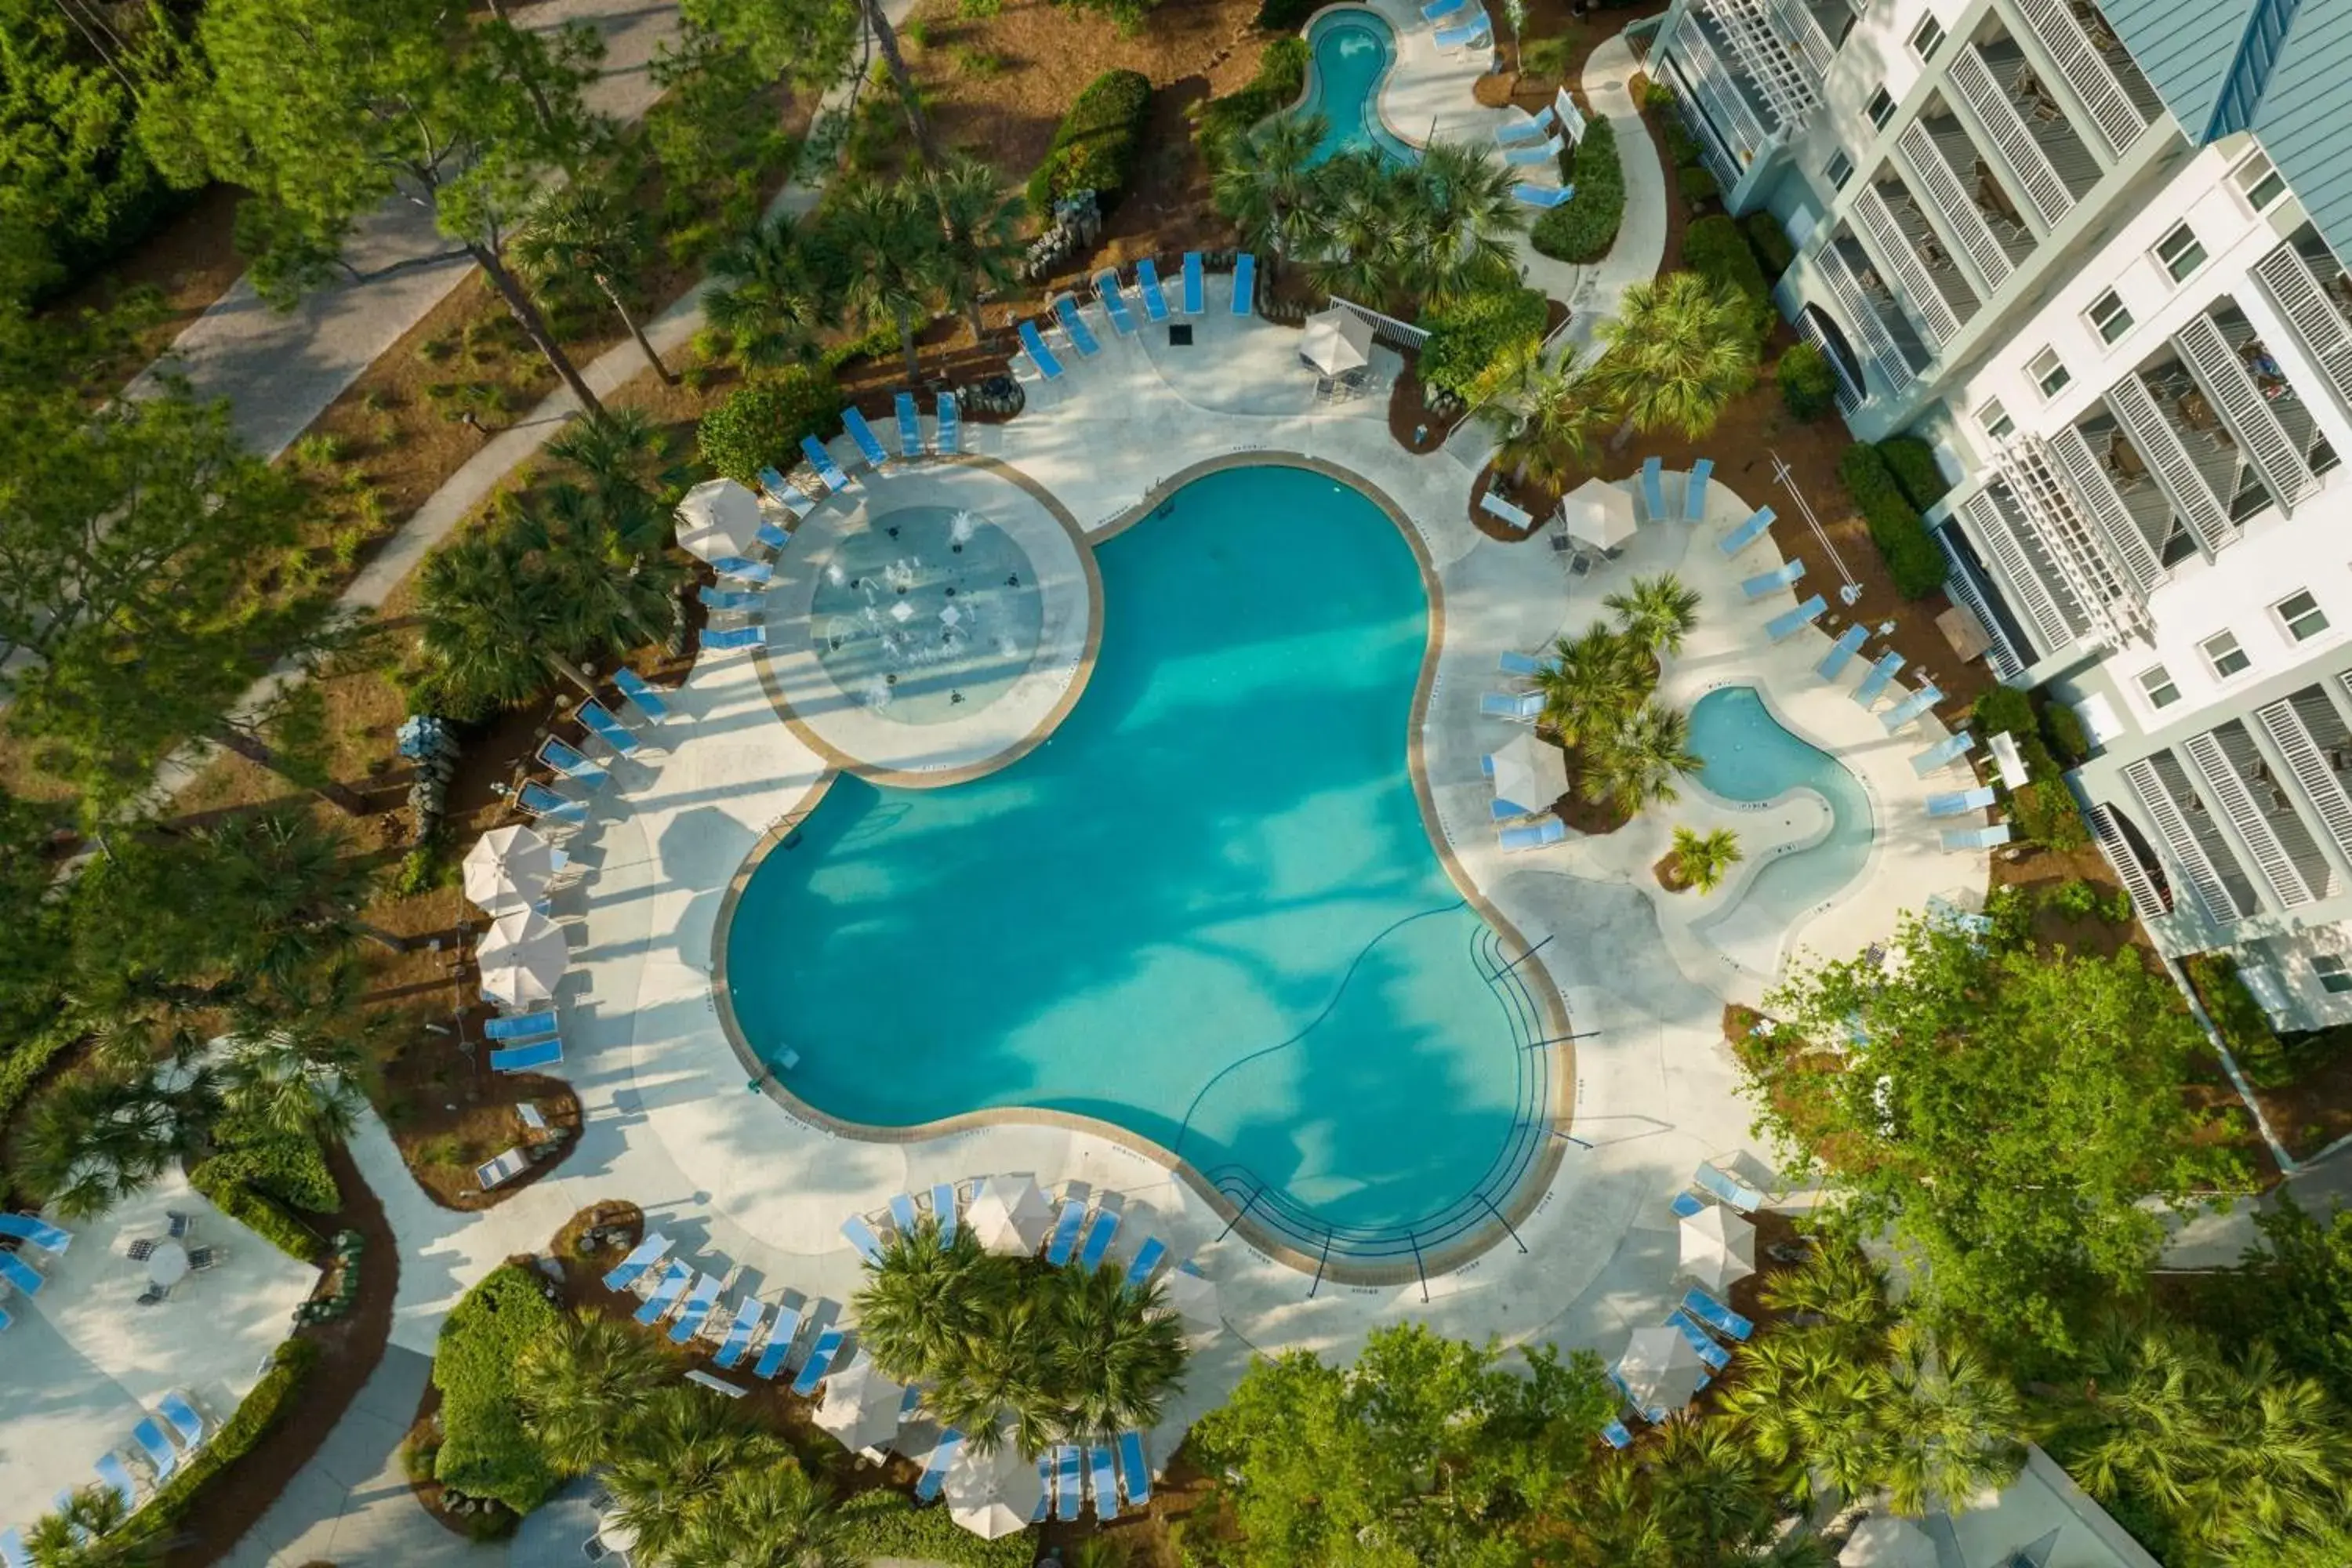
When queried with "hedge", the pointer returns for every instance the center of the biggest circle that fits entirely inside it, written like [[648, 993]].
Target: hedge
[[1697, 186], [1912, 463], [289, 1368], [2238, 1019], [1474, 332], [884, 1523], [761, 422], [1286, 16], [265, 1216], [288, 1167], [1771, 242], [1584, 226], [1808, 385], [484, 1452], [1714, 248], [23, 1067], [1095, 148], [1681, 147], [1281, 77], [1912, 558], [2043, 810]]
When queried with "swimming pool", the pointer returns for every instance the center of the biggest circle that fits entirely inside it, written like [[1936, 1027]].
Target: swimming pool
[[1749, 756], [1206, 911], [1351, 51]]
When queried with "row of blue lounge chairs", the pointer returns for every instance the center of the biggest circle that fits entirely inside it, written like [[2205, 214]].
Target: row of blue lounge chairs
[[160, 1445], [1152, 296], [1069, 1477], [17, 1275], [1706, 1321], [686, 1299]]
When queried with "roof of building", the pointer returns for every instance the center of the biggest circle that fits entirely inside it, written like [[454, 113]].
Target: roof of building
[[2304, 110], [2186, 47]]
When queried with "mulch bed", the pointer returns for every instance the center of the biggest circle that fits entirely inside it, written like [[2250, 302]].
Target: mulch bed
[[1668, 870]]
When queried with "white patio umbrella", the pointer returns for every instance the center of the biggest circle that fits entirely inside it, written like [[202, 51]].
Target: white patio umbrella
[[861, 1406], [717, 518], [993, 1495], [522, 957], [1192, 1298], [1530, 773], [1718, 1247], [507, 869], [1010, 1215], [1659, 1369], [1599, 513], [1337, 341], [614, 1535]]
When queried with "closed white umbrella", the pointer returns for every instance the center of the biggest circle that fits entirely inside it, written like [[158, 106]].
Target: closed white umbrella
[[861, 1406], [521, 958], [614, 1535], [1010, 1215], [718, 518], [1337, 341], [993, 1495], [508, 867], [1192, 1298], [1718, 1247], [1530, 773], [1659, 1369], [1599, 513]]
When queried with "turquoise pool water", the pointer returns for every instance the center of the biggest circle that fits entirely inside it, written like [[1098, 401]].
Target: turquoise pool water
[[1205, 911], [1749, 757], [1351, 52]]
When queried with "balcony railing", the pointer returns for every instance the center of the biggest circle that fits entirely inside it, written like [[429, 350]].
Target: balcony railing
[[2114, 116], [1961, 584], [1717, 90], [2169, 814], [2092, 495], [2005, 537], [1879, 349], [1972, 79], [2222, 376], [2304, 727], [1962, 217], [2313, 311], [2155, 441], [2233, 772], [2145, 896], [1805, 35], [1917, 281], [1767, 65]]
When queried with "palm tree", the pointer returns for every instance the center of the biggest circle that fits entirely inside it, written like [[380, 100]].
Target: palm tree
[[299, 1075], [1638, 764], [81, 1533], [1656, 612], [1119, 1357], [586, 1386], [1953, 1424], [1006, 1369], [1264, 183], [978, 222], [1361, 240], [632, 471], [1841, 1292], [1590, 686], [767, 296], [588, 229], [1678, 349], [612, 587], [771, 1517], [922, 1298], [94, 1141], [887, 258], [1551, 419], [1468, 216], [484, 624], [1807, 1410], [1709, 1493], [677, 1464], [1702, 858]]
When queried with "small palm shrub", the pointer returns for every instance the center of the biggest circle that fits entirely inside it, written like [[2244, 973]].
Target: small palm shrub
[[761, 422]]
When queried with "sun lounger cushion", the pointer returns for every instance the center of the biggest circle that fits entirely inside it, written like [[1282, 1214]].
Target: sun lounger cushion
[[1082, 337], [1040, 355], [642, 1257], [820, 1362], [779, 1348], [1245, 284], [641, 694], [1134, 1469], [1195, 286], [524, 1059], [1147, 283]]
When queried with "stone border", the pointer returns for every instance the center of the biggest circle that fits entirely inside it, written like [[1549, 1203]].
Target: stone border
[[1533, 1185]]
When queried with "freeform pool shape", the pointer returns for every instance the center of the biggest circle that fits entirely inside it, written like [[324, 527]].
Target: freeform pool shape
[[1351, 51], [1206, 911], [1749, 757]]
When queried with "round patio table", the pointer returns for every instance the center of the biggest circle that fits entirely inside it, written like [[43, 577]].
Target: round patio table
[[167, 1265]]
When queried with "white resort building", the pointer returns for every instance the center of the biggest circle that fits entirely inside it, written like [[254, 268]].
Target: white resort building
[[2091, 253]]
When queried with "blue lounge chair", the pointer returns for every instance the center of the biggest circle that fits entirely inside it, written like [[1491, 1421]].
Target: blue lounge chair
[[779, 1348], [642, 1257], [950, 432], [902, 1213], [1909, 712], [943, 1209], [1841, 652], [911, 425], [1529, 155], [1147, 1259], [1873, 685], [599, 722], [36, 1230], [820, 1362], [1959, 802], [771, 535], [774, 486], [1748, 532], [117, 1479], [522, 1026], [744, 569], [730, 601], [739, 1333], [1082, 337], [1543, 196], [1147, 283], [12, 1549], [935, 1472], [1099, 1240], [641, 694], [1727, 1189], [1465, 36], [1535, 127], [1789, 623], [1196, 286], [1066, 1482], [1114, 302], [1615, 1435], [1103, 1481], [1686, 1204], [527, 1057], [1244, 283], [869, 445], [675, 1278], [728, 640], [1716, 1315], [821, 461], [1065, 1239], [1521, 665], [1715, 1357], [1772, 582], [1943, 754], [1134, 1469], [862, 1239], [1039, 355], [1653, 488], [156, 1448], [1522, 706], [186, 1419], [1534, 835], [1654, 1413], [544, 804], [1438, 10], [1695, 489], [573, 763], [1959, 838], [1045, 1508]]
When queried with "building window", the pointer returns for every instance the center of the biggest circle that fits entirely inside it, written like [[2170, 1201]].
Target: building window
[[1995, 420], [1838, 170], [1927, 39], [2109, 318], [2158, 684], [2048, 374], [1881, 108], [2260, 182], [2300, 614], [2333, 977], [2178, 253], [2222, 652]]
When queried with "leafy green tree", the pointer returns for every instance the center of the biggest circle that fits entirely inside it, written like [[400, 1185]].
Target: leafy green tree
[[33, 959], [1678, 350], [768, 295], [1704, 858], [590, 230], [1467, 217], [2296, 1288], [97, 1139], [1840, 1293], [924, 1299], [302, 1075], [1657, 612], [486, 624], [1118, 1358], [1642, 763], [810, 43], [1266, 182], [586, 1388], [1950, 1420], [979, 221], [1549, 417], [889, 260], [632, 471], [326, 110]]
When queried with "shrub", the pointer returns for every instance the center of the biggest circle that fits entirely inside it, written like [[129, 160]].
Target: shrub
[[885, 1524], [1094, 147], [1286, 16], [1697, 186], [485, 1451], [2063, 727], [1912, 463], [1714, 248], [289, 1368], [1472, 332], [24, 1064], [762, 421], [2005, 710], [2238, 1018], [1681, 147], [1911, 557], [1583, 227], [265, 1216], [290, 1168], [2045, 812], [1771, 241], [1807, 385], [1281, 77]]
